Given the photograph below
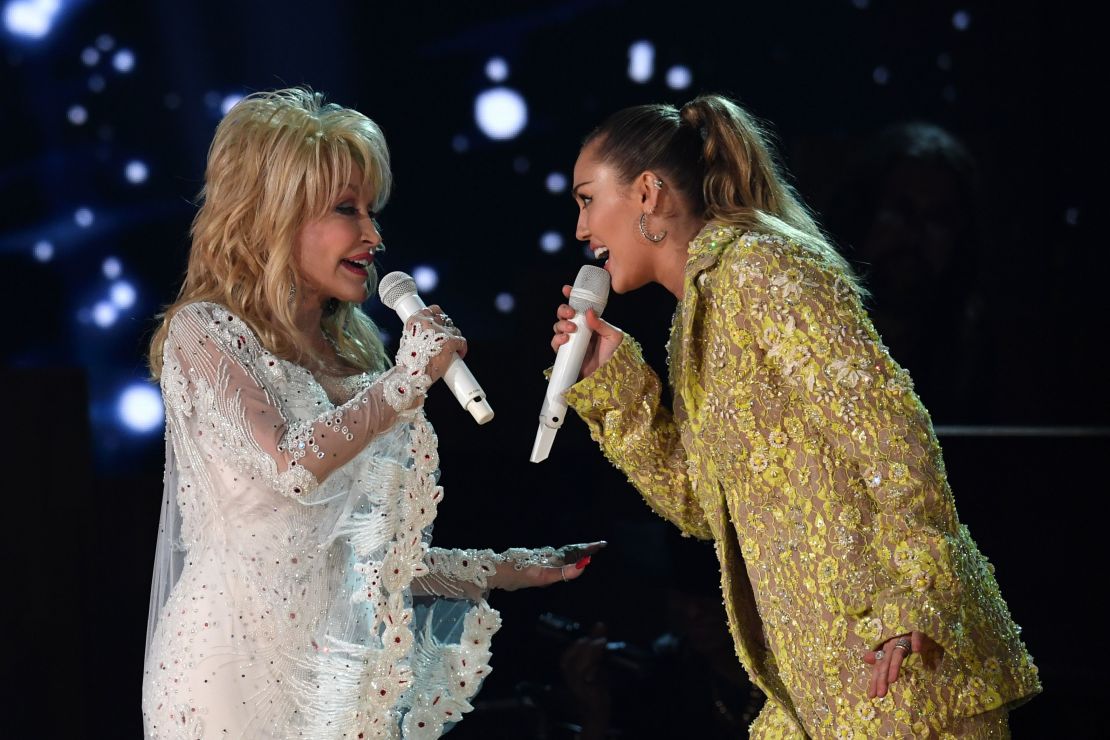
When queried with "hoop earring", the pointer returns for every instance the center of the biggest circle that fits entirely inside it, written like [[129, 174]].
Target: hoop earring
[[653, 238]]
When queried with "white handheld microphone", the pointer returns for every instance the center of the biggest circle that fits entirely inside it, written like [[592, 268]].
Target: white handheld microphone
[[398, 291], [591, 290]]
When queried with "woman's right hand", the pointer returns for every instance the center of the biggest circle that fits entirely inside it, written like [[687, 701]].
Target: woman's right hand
[[432, 319], [604, 342]]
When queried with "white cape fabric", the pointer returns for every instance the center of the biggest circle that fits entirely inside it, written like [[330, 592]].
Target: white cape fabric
[[295, 592]]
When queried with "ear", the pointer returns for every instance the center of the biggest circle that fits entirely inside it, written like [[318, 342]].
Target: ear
[[648, 188]]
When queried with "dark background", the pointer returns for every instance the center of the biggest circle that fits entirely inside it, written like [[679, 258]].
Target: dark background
[[1006, 351]]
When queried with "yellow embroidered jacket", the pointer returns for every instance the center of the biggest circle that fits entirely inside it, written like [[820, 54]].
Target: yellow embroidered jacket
[[799, 446]]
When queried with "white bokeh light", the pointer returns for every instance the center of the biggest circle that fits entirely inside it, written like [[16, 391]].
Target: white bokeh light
[[96, 83], [460, 143], [104, 314], [504, 302], [140, 408], [123, 294], [111, 267], [497, 69], [104, 42], [641, 61], [77, 114], [229, 102], [861, 4], [43, 250], [124, 60], [679, 77], [551, 242], [556, 182], [881, 75], [521, 165], [90, 56], [83, 217], [136, 172], [500, 112], [961, 20], [944, 61], [1071, 216], [30, 19], [426, 277]]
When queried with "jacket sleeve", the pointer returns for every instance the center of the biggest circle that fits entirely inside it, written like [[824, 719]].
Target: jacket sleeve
[[809, 325], [620, 403], [212, 372]]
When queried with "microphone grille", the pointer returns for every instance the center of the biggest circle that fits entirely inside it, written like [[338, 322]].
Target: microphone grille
[[591, 289], [395, 286]]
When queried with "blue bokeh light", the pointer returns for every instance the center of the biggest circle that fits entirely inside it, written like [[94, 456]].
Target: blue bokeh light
[[140, 408], [551, 242], [30, 19], [641, 61], [497, 69], [426, 277], [104, 314], [500, 113], [123, 294]]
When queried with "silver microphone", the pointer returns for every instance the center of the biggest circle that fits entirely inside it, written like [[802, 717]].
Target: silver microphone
[[398, 292], [591, 290]]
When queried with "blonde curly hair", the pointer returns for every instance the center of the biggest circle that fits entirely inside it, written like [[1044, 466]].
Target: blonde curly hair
[[279, 159]]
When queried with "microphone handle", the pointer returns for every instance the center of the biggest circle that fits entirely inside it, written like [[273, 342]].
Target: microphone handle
[[458, 377], [568, 366]]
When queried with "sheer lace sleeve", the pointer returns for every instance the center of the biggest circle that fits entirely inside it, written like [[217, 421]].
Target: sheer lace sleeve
[[215, 370], [465, 573]]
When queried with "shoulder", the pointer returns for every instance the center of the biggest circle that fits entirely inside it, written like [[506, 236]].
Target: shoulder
[[772, 267], [202, 323]]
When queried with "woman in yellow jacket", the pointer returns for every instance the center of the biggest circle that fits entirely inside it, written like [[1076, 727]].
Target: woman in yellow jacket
[[856, 599]]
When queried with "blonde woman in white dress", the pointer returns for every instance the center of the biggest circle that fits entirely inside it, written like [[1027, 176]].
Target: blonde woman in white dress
[[295, 590]]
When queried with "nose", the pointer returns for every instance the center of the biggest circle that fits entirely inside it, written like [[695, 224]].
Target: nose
[[582, 229], [370, 233]]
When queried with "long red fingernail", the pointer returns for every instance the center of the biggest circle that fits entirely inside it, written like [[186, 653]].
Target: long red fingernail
[[582, 563]]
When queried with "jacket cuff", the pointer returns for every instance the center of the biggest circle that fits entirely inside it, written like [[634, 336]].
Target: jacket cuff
[[591, 397], [900, 613]]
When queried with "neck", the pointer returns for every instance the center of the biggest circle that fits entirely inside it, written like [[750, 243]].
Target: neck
[[671, 265], [309, 317]]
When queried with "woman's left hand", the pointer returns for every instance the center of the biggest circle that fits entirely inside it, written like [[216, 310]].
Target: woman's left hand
[[570, 563], [887, 661]]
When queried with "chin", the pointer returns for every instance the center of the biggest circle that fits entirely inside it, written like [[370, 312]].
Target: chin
[[621, 286], [355, 296]]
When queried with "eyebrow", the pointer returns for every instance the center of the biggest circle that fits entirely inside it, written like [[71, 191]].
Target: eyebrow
[[574, 190]]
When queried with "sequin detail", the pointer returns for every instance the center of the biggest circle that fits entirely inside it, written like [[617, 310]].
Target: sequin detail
[[797, 444], [302, 607]]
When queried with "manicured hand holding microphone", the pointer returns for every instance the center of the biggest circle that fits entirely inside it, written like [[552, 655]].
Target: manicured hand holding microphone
[[604, 342], [433, 319]]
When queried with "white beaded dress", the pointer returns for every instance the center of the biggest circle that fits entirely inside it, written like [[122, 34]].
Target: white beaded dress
[[295, 591]]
